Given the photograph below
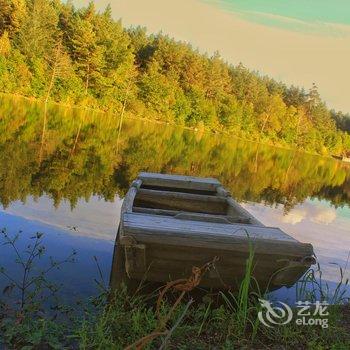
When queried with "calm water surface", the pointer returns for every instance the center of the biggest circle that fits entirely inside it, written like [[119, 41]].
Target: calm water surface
[[64, 172]]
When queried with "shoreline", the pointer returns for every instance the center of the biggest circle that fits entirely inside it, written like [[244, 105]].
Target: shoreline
[[158, 121]]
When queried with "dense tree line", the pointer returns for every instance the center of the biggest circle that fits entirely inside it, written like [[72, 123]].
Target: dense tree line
[[342, 120], [79, 154], [53, 51]]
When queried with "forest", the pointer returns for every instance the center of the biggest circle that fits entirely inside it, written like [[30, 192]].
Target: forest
[[79, 155], [52, 51]]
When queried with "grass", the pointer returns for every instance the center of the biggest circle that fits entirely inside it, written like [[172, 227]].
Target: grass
[[117, 320]]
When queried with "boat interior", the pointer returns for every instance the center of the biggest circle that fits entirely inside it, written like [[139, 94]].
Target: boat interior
[[197, 204]]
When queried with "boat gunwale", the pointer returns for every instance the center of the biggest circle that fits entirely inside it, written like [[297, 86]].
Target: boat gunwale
[[222, 195]]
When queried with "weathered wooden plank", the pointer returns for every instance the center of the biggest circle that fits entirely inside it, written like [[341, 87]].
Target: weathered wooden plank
[[231, 268], [227, 268], [181, 195], [154, 211], [181, 201], [135, 258], [233, 244], [118, 274], [210, 279], [221, 191], [170, 226], [200, 256], [266, 271], [130, 197], [235, 209], [183, 215], [179, 181], [212, 218], [162, 278]]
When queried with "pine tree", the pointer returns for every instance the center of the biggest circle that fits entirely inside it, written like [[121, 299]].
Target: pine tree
[[5, 45], [86, 53], [59, 64], [12, 13], [38, 34]]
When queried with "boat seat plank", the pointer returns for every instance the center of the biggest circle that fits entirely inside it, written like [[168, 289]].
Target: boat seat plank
[[180, 201], [137, 222], [153, 211], [179, 181], [225, 219], [146, 193], [184, 215]]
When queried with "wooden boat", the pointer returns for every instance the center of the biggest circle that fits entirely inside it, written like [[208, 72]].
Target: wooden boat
[[170, 223]]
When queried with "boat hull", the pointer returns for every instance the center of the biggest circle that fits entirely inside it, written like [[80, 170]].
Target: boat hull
[[171, 224], [162, 262]]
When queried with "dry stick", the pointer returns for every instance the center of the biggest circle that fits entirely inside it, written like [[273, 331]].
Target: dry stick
[[256, 158], [140, 286], [77, 137], [87, 79], [54, 71], [75, 140], [298, 126], [139, 344], [288, 169], [264, 124], [171, 331], [184, 285], [27, 270], [122, 112], [43, 135]]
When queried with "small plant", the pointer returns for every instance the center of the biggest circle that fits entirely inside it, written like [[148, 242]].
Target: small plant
[[23, 316], [33, 284], [244, 304], [312, 287]]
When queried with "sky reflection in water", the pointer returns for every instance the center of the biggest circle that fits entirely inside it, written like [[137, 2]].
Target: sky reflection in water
[[90, 228]]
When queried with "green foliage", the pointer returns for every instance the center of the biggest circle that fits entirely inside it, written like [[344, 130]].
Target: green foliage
[[5, 45], [25, 319], [116, 319], [110, 68], [79, 153], [342, 120], [32, 286], [38, 31], [244, 303], [12, 13]]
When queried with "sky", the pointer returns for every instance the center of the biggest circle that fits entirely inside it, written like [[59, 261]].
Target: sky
[[299, 42]]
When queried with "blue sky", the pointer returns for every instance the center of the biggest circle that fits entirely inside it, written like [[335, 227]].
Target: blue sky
[[308, 16], [335, 11]]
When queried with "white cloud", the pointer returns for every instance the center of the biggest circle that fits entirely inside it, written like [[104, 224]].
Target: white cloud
[[294, 217], [324, 216], [96, 218], [306, 212]]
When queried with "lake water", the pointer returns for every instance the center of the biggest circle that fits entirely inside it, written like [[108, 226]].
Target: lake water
[[65, 171]]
